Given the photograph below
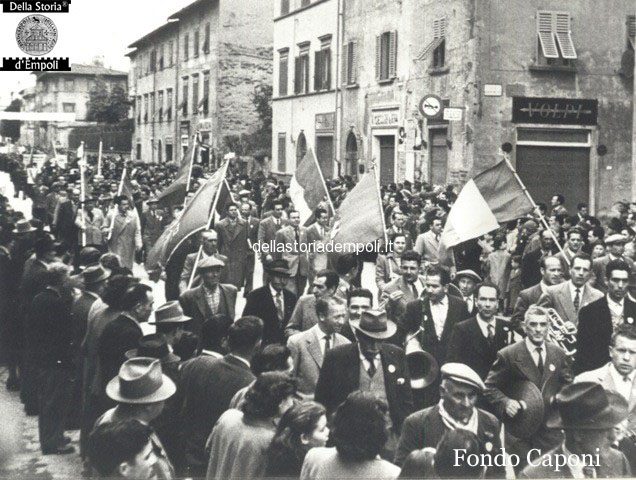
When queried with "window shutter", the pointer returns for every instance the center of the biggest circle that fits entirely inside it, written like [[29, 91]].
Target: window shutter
[[564, 35], [306, 72], [546, 35], [631, 29], [392, 54], [282, 76], [378, 57], [353, 63], [284, 7], [326, 68], [297, 74], [317, 70], [345, 64]]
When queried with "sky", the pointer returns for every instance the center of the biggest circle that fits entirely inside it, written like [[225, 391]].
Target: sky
[[91, 28]]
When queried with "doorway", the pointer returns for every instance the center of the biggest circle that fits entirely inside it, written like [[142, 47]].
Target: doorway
[[387, 158]]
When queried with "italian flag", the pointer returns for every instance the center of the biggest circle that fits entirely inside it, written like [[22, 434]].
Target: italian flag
[[307, 187]]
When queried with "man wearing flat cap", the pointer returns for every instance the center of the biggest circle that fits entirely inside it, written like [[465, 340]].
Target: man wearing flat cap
[[211, 297], [466, 282], [459, 391], [208, 242], [587, 414], [615, 251]]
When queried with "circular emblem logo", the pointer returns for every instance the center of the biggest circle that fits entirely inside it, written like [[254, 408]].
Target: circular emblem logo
[[36, 35]]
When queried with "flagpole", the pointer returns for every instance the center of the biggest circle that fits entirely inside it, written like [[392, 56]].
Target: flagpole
[[324, 184], [99, 159], [534, 205], [83, 194], [208, 226], [377, 189], [192, 154]]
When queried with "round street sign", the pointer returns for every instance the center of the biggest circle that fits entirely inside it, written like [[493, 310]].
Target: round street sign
[[431, 106]]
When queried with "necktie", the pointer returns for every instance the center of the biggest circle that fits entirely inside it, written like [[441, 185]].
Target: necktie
[[577, 299], [371, 370], [491, 334], [279, 306], [327, 342], [540, 362], [297, 237]]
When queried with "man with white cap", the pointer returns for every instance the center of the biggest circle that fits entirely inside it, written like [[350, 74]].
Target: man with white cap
[[208, 241], [615, 251], [141, 390], [466, 281], [459, 392]]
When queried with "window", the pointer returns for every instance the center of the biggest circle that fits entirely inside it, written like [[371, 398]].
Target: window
[[283, 69], [631, 30], [160, 103], [284, 7], [196, 43], [138, 107], [161, 57], [206, 92], [138, 150], [281, 153], [301, 69], [385, 56], [169, 104], [69, 85], [186, 45], [304, 3], [68, 107], [322, 65], [184, 101], [554, 39], [349, 64], [170, 53], [439, 43], [168, 152], [196, 108], [206, 39], [152, 107], [146, 108], [153, 61]]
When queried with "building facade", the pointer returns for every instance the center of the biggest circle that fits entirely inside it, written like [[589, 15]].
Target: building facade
[[198, 73]]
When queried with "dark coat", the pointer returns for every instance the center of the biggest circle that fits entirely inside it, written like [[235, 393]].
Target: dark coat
[[468, 345], [425, 428], [613, 464], [208, 385], [261, 303], [595, 332], [65, 228], [527, 297], [79, 316], [119, 336], [195, 305], [340, 375], [531, 268]]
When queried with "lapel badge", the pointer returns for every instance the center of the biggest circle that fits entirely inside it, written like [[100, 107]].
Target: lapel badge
[[551, 367], [391, 368], [506, 329], [488, 446], [400, 381], [630, 320]]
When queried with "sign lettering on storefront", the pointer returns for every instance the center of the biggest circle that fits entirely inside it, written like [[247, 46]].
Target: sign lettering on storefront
[[325, 122], [562, 111], [385, 118]]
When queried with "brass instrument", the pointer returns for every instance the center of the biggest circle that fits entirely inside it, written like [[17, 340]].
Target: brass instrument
[[561, 333], [422, 366]]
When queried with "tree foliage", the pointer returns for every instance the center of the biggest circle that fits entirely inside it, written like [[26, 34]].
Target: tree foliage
[[107, 105], [11, 128]]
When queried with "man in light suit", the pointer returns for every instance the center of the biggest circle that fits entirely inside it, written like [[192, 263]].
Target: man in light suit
[[211, 297], [316, 233], [208, 241], [615, 251], [308, 348], [428, 245], [398, 220], [294, 237], [550, 275], [387, 267], [569, 297], [304, 315], [572, 247], [403, 289], [267, 232]]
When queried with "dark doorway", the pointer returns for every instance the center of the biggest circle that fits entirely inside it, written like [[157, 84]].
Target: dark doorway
[[439, 156], [387, 159], [324, 154]]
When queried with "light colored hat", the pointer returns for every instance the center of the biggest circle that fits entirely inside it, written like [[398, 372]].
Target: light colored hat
[[170, 312], [469, 274], [461, 373], [210, 262], [140, 380], [615, 238]]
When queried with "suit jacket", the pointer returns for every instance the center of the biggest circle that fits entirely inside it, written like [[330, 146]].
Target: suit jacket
[[152, 226], [531, 268], [267, 229], [195, 305], [260, 302], [425, 428], [598, 268], [65, 228], [79, 317], [304, 315], [527, 297], [308, 358], [119, 336], [386, 269], [595, 332], [468, 345], [251, 225], [297, 260], [188, 265], [515, 364], [431, 249], [233, 244], [340, 375], [613, 464], [396, 308], [560, 298], [208, 385], [418, 314], [391, 231]]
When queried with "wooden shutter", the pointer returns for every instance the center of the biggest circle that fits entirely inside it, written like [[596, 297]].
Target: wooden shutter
[[281, 152], [284, 7], [345, 64], [282, 74], [545, 32], [297, 74], [305, 69], [631, 30], [378, 57], [326, 68], [318, 70], [564, 35], [393, 54]]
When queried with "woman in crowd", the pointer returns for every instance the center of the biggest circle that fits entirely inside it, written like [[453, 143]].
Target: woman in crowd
[[359, 432], [302, 427], [240, 439]]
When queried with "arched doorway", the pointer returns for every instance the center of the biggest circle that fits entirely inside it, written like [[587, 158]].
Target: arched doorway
[[351, 156], [159, 151], [301, 147]]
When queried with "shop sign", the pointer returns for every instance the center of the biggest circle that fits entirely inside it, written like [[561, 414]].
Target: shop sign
[[325, 122], [385, 118], [561, 111]]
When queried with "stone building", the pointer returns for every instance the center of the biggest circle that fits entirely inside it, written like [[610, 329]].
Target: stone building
[[198, 72]]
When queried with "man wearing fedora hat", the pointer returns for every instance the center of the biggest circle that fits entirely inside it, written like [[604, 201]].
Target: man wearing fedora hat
[[587, 414], [272, 303], [169, 320], [141, 390], [615, 251], [371, 365], [211, 297], [460, 390]]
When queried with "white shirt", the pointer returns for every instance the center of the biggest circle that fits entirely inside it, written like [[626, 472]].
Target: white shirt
[[622, 386], [576, 467], [616, 308], [365, 362], [282, 297], [532, 348], [469, 301], [544, 286], [241, 359], [439, 312], [573, 292], [320, 335], [483, 325]]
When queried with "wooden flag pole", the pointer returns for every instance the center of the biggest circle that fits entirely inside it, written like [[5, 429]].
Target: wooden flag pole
[[208, 226], [83, 193], [99, 159], [534, 205], [322, 179]]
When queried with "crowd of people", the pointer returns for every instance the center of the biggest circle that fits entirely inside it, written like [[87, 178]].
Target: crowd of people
[[323, 374]]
